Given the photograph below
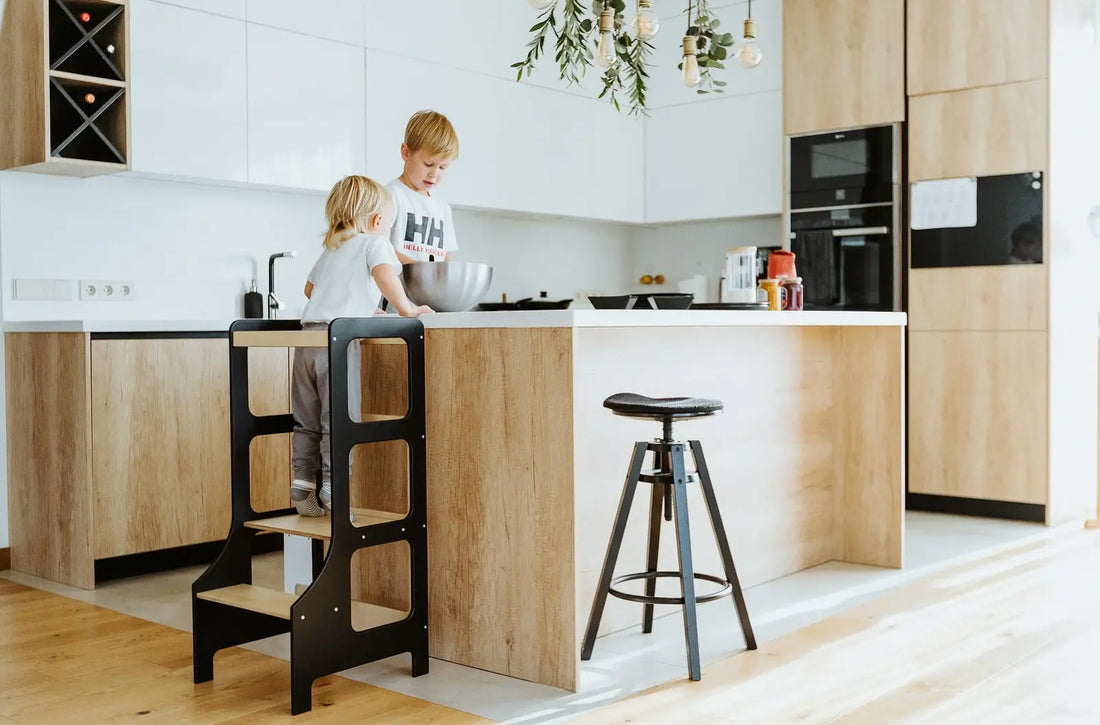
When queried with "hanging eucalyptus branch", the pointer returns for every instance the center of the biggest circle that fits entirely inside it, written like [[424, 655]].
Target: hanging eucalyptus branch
[[576, 29], [713, 46], [628, 74]]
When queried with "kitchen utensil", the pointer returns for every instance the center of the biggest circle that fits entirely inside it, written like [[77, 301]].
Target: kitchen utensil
[[729, 306], [528, 303], [781, 264], [543, 303], [740, 283], [774, 292], [792, 294], [611, 302], [672, 301], [446, 286], [647, 301]]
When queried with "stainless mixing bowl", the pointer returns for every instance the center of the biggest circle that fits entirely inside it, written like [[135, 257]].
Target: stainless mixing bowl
[[447, 286]]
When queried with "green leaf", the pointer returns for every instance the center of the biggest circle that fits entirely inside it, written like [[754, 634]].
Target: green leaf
[[719, 52], [726, 39], [693, 30]]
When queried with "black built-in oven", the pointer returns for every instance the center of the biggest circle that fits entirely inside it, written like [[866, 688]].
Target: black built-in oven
[[843, 167], [844, 217]]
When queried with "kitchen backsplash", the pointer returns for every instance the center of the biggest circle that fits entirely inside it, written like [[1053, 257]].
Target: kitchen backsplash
[[191, 249]]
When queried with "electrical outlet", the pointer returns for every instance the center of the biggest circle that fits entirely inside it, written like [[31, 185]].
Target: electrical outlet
[[106, 290]]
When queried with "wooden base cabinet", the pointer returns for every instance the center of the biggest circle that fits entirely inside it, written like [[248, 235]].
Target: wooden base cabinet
[[978, 415], [121, 446]]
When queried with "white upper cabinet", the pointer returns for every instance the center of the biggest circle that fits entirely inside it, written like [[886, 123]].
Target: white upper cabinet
[[713, 160], [332, 19], [187, 95], [455, 33], [522, 148], [229, 8], [306, 109]]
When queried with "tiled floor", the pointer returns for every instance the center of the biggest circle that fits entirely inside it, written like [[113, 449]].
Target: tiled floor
[[623, 662]]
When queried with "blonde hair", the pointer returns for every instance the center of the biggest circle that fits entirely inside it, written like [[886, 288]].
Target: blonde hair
[[350, 206], [432, 132]]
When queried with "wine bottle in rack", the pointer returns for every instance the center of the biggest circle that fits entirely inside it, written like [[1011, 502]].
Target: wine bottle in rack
[[86, 38], [87, 121]]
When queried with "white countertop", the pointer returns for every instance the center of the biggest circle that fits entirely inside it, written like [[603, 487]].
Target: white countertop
[[541, 318]]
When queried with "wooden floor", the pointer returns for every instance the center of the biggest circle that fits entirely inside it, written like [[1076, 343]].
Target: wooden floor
[[63, 661], [1013, 639]]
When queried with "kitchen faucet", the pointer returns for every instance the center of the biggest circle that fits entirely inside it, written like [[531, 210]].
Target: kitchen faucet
[[274, 304]]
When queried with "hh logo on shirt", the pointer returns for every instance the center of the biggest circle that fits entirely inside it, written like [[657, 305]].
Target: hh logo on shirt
[[427, 231]]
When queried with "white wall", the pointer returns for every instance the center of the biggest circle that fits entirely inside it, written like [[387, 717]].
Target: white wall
[[679, 251]]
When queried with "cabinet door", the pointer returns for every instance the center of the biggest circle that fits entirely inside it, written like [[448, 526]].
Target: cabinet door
[[188, 109], [306, 109], [843, 64], [979, 132], [953, 45], [517, 152], [160, 443], [978, 415], [742, 172]]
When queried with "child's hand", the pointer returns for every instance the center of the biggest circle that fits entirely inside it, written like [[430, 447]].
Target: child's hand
[[379, 311], [416, 311]]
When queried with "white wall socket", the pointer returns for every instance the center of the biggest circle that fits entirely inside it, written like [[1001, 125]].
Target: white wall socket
[[106, 290]]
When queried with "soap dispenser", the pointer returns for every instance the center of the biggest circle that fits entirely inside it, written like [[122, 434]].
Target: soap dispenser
[[253, 303]]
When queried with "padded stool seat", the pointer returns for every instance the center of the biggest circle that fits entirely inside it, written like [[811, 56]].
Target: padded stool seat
[[636, 405]]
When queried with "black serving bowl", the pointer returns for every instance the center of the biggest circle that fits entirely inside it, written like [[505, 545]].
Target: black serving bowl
[[611, 302], [664, 301]]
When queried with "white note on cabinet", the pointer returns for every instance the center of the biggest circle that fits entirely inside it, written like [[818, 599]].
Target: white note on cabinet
[[944, 204]]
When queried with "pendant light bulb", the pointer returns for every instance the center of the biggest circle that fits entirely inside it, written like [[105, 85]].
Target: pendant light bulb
[[691, 62], [605, 48], [541, 4], [646, 23], [749, 54]]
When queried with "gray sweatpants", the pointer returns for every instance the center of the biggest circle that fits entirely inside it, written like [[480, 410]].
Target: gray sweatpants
[[309, 402]]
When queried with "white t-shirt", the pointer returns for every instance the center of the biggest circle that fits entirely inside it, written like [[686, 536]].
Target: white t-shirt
[[423, 226], [342, 281]]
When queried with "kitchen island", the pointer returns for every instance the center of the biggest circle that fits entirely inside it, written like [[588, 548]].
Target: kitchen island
[[525, 466]]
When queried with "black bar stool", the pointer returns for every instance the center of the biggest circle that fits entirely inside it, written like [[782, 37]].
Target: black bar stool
[[669, 479]]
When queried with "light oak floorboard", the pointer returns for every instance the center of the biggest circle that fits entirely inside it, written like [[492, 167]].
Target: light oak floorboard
[[1010, 639], [63, 661]]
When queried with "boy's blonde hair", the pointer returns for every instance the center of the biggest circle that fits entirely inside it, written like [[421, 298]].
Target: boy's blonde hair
[[350, 206], [432, 132]]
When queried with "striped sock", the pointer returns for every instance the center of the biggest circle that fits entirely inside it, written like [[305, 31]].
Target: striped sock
[[303, 495]]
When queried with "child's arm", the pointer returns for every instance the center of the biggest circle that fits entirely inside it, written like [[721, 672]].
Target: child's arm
[[309, 290], [386, 278]]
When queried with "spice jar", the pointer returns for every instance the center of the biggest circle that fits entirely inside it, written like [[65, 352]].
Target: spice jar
[[792, 294], [775, 293]]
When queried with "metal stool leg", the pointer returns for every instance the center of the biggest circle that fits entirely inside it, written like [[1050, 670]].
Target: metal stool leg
[[687, 571], [722, 542], [656, 504], [613, 546]]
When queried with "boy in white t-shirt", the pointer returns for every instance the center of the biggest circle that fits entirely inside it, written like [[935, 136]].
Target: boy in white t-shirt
[[357, 267], [423, 229]]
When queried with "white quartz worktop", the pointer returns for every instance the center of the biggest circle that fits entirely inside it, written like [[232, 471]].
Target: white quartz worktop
[[533, 318]]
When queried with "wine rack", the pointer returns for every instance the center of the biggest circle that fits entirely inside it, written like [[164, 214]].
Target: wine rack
[[66, 60]]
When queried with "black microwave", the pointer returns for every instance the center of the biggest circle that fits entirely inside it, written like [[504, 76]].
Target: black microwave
[[843, 168]]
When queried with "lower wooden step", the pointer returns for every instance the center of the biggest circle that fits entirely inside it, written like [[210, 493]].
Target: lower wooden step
[[319, 527], [277, 604]]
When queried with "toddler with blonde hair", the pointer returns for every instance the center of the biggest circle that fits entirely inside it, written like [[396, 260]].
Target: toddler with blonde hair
[[358, 266]]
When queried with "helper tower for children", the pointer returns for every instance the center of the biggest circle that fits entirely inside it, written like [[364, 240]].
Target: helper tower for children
[[328, 631]]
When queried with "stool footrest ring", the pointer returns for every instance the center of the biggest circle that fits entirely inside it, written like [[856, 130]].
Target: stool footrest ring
[[725, 591]]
